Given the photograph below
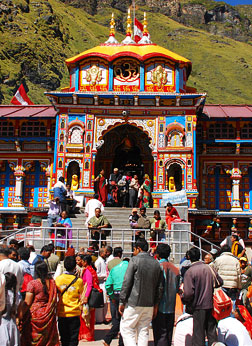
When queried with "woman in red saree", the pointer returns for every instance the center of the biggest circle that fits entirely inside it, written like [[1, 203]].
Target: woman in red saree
[[90, 279], [102, 187], [38, 315], [242, 314], [171, 214], [146, 187]]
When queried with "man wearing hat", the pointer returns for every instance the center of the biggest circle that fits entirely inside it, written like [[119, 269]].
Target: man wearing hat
[[246, 277]]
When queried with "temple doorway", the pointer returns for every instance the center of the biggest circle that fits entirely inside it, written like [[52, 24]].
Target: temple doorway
[[174, 176], [73, 169], [125, 147]]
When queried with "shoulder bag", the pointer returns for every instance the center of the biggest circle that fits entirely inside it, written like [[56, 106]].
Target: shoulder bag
[[96, 299]]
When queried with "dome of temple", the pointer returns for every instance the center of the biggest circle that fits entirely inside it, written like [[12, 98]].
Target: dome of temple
[[141, 52]]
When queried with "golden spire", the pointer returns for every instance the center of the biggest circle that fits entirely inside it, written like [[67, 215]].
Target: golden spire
[[129, 30], [146, 36], [145, 30], [112, 26], [112, 39], [128, 39]]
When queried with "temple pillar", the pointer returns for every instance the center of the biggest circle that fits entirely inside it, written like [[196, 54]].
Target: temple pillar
[[236, 178], [19, 173]]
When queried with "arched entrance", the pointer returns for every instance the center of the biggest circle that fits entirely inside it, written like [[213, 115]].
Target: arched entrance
[[125, 147], [73, 168], [174, 171]]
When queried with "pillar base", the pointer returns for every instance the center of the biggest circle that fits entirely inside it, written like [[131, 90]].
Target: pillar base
[[235, 209], [18, 203]]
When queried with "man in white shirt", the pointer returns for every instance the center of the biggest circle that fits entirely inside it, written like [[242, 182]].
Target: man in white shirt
[[91, 205], [184, 330], [2, 292], [233, 333], [101, 272], [8, 265]]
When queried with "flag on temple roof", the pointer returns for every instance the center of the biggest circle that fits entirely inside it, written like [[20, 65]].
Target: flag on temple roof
[[21, 97], [138, 30]]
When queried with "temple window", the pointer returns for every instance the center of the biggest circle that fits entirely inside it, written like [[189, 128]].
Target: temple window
[[33, 129], [88, 149], [60, 164], [246, 131], [6, 129], [174, 139], [86, 165], [76, 135], [199, 131], [62, 137], [88, 138], [62, 125], [221, 131], [161, 128], [61, 148], [53, 130], [89, 125]]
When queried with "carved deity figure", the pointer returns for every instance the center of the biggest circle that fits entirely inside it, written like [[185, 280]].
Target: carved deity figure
[[172, 187], [159, 76], [75, 182], [94, 75]]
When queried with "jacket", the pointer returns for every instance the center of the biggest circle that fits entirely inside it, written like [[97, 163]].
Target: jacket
[[142, 285], [171, 285], [228, 267], [115, 279], [59, 190], [199, 283]]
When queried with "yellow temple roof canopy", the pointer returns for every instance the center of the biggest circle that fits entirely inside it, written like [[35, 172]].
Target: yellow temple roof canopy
[[142, 52]]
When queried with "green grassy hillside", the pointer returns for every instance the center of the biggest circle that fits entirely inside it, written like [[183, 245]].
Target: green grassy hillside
[[36, 38]]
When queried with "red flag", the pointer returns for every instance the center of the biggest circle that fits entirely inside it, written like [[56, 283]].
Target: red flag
[[21, 98], [138, 30]]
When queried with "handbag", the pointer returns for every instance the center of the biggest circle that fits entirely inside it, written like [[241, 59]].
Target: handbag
[[96, 299], [222, 304]]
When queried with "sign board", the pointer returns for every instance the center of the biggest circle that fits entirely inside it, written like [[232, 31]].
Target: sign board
[[36, 234], [175, 198]]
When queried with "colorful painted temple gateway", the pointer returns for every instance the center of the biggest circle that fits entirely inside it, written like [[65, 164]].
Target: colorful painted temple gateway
[[128, 106]]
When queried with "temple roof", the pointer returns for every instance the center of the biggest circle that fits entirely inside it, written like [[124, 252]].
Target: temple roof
[[31, 111], [138, 51], [228, 111]]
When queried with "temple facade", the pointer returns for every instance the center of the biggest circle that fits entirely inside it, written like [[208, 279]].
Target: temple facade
[[128, 106]]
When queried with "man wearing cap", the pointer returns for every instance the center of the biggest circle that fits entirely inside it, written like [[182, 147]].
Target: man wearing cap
[[113, 181], [246, 277]]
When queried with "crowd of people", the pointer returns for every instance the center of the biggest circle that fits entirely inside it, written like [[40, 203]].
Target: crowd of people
[[123, 189], [45, 301]]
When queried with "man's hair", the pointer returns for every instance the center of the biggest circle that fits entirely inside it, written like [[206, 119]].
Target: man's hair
[[235, 236], [51, 247], [70, 263], [109, 249], [118, 251], [45, 248], [24, 253], [97, 208], [4, 251], [96, 196], [13, 242], [62, 179], [194, 254], [143, 208], [163, 250], [12, 249], [157, 212], [225, 248], [142, 244], [101, 250]]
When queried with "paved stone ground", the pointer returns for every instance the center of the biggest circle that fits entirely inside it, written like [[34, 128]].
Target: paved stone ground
[[100, 332]]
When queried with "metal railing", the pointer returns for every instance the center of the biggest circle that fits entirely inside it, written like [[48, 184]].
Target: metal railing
[[179, 240]]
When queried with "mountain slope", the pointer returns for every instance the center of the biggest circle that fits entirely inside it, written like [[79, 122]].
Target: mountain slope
[[37, 37]]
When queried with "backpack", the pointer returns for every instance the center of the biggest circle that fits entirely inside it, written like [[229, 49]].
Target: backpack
[[222, 304]]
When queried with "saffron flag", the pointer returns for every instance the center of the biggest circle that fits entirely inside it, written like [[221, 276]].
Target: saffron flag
[[21, 98], [138, 30]]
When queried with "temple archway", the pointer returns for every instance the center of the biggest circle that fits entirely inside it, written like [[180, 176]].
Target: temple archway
[[125, 147], [174, 171], [73, 168]]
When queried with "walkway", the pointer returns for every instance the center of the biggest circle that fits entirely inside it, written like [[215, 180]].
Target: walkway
[[100, 332]]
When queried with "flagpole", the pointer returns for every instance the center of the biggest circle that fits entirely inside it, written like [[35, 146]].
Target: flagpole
[[134, 15]]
